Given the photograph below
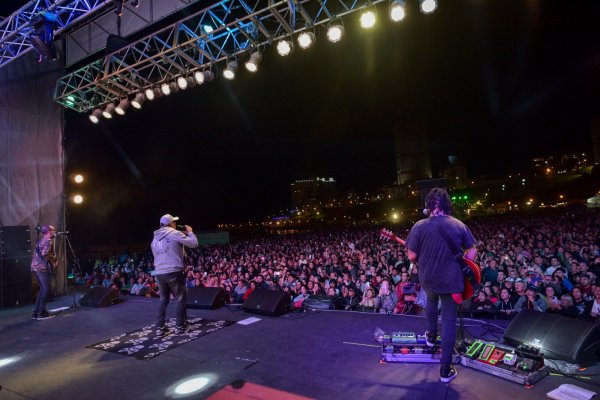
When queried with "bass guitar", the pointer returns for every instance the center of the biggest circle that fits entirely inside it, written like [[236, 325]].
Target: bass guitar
[[472, 276]]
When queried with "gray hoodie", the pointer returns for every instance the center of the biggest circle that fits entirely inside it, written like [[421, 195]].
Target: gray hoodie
[[167, 247]]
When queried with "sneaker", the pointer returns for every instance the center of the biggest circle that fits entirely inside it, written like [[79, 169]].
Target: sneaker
[[430, 338], [34, 315], [45, 315], [162, 331], [181, 329], [448, 375]]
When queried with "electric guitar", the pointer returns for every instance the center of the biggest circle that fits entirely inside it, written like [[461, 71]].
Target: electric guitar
[[469, 289]]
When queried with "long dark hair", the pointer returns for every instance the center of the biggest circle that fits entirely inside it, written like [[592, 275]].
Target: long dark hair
[[438, 198]]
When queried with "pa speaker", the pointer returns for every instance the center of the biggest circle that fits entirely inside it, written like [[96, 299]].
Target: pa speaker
[[206, 297], [267, 302], [100, 297], [557, 337]]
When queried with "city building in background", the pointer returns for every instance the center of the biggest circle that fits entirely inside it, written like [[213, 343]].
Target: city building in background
[[455, 172], [413, 160], [312, 192]]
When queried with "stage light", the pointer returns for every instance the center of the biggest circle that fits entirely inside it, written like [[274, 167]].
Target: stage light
[[230, 70], [252, 63], [78, 178], [138, 100], [182, 82], [306, 39], [192, 385], [9, 360], [108, 110], [208, 76], [165, 89], [397, 11], [150, 94], [122, 106], [368, 19], [77, 199], [284, 47], [199, 77], [335, 31], [428, 6], [95, 115]]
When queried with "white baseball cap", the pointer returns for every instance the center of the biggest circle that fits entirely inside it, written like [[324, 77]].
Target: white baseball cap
[[168, 219]]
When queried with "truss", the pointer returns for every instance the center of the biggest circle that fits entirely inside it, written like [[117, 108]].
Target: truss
[[16, 29], [229, 29]]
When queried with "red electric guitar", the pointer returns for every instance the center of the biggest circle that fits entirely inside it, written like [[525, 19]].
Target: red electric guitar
[[458, 297]]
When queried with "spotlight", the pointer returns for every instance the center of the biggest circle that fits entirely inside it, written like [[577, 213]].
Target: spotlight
[[397, 11], [252, 63], [284, 47], [77, 199], [95, 115], [428, 6], [368, 19], [199, 77], [78, 178], [42, 36], [335, 31], [229, 72], [208, 76], [108, 110], [182, 83], [306, 39], [138, 100], [123, 104], [150, 94], [165, 89]]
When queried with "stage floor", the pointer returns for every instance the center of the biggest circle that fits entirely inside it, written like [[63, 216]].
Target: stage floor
[[317, 354]]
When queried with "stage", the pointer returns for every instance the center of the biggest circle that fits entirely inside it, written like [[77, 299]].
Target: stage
[[316, 354]]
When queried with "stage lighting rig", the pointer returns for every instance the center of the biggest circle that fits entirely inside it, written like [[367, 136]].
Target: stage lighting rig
[[138, 100], [335, 31], [306, 39], [397, 10], [284, 47], [368, 18], [108, 110], [95, 116], [428, 6], [252, 64], [230, 70], [122, 106]]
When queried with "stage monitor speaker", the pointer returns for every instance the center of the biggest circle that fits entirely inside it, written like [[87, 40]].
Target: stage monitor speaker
[[208, 298], [557, 337], [267, 302], [100, 297]]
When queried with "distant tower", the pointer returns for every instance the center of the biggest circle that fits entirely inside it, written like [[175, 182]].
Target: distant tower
[[595, 128], [413, 161]]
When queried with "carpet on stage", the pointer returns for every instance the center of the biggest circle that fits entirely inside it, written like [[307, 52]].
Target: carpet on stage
[[144, 344]]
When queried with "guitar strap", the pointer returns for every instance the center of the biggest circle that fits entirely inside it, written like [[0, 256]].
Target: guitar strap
[[466, 270]]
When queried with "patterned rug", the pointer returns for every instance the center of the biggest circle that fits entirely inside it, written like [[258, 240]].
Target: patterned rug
[[144, 344]]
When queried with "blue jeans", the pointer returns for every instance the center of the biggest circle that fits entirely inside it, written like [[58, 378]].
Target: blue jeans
[[43, 279], [449, 310], [172, 283]]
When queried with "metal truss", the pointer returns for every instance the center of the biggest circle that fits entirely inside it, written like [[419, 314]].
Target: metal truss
[[16, 29], [227, 30]]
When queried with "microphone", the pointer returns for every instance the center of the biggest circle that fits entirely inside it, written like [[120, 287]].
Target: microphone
[[62, 233]]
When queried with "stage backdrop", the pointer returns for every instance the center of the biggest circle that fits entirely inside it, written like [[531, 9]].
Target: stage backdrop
[[31, 156]]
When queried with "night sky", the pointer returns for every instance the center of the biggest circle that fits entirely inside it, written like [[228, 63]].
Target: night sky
[[496, 82]]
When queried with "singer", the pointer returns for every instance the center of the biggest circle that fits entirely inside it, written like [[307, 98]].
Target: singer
[[41, 266], [168, 250]]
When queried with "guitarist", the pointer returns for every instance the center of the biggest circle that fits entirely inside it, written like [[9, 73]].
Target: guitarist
[[433, 243], [41, 266]]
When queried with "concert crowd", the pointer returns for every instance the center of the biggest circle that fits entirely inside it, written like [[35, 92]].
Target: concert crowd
[[547, 261]]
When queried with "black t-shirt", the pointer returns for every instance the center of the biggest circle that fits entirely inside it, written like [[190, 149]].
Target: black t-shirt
[[439, 269]]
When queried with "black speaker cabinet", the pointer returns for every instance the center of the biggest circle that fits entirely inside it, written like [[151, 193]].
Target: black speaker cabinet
[[558, 337], [267, 302], [100, 297], [206, 297]]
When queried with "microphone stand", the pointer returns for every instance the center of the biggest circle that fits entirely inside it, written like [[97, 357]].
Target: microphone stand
[[75, 263]]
